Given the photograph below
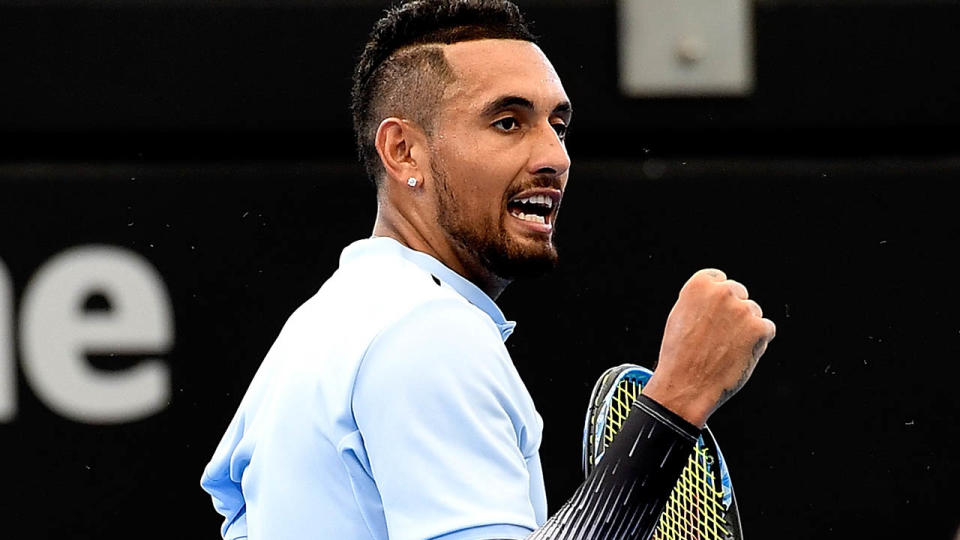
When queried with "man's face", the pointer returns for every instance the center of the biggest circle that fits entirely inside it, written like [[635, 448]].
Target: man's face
[[498, 155]]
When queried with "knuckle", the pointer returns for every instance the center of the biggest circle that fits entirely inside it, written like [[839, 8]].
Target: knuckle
[[699, 282], [711, 274], [738, 289], [760, 327], [700, 278], [733, 292], [764, 329]]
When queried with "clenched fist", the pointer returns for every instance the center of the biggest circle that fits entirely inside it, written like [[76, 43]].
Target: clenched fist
[[714, 336]]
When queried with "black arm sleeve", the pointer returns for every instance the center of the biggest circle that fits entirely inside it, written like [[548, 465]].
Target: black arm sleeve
[[627, 491]]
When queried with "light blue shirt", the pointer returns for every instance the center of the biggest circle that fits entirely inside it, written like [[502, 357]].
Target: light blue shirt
[[388, 407]]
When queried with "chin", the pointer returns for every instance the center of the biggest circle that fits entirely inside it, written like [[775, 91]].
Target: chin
[[502, 251], [513, 260]]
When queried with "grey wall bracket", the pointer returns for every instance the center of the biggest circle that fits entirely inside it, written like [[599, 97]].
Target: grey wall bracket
[[679, 48]]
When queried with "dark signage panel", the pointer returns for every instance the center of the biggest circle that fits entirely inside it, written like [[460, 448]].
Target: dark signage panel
[[137, 300]]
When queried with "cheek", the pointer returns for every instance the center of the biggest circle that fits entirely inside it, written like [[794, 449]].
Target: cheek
[[480, 169]]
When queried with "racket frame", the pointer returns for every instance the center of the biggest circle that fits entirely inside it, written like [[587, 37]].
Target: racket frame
[[597, 417]]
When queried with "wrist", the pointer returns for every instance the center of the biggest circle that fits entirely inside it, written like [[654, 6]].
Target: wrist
[[667, 417], [682, 402]]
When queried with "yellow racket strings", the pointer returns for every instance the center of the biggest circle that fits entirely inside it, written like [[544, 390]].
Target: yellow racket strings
[[695, 508], [628, 390]]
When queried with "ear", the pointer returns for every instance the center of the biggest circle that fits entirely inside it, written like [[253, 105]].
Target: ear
[[398, 142]]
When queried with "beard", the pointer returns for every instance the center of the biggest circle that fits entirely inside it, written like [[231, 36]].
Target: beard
[[487, 239]]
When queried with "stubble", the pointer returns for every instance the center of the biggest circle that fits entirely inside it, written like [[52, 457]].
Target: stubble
[[487, 239]]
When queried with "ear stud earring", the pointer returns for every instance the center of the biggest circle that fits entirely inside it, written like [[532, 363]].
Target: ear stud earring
[[412, 181]]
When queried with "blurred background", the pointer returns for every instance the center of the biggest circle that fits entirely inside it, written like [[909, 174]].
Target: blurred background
[[177, 176]]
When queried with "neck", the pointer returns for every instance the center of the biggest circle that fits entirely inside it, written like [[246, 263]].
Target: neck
[[411, 231]]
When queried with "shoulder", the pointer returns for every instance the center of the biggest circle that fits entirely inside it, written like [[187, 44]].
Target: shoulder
[[442, 353], [371, 295], [440, 333], [445, 364]]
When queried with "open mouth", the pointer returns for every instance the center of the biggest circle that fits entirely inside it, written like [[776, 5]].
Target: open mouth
[[535, 206]]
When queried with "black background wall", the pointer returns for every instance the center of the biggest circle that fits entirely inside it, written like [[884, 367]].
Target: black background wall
[[213, 140]]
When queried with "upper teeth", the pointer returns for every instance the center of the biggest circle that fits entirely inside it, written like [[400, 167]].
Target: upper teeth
[[545, 200]]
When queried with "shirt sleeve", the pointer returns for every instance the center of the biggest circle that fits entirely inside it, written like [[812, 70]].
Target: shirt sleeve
[[441, 427], [222, 482]]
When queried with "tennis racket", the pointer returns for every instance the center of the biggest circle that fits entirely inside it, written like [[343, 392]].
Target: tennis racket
[[702, 505]]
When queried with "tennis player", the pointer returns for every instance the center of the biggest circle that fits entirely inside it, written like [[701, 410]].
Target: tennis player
[[389, 407]]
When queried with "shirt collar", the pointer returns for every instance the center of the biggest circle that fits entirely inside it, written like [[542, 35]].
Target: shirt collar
[[381, 245]]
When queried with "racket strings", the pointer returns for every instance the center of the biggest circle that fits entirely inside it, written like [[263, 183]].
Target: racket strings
[[628, 390], [695, 509]]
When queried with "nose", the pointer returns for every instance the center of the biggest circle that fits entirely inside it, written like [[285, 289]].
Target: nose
[[549, 153]]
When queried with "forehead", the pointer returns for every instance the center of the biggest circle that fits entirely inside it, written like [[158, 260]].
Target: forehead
[[489, 68]]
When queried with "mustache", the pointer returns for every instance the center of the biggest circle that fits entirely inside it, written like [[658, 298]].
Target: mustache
[[543, 180]]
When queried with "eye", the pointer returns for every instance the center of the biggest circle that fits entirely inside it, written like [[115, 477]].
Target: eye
[[508, 123], [561, 130]]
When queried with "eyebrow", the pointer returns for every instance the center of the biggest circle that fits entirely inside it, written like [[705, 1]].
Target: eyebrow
[[563, 108]]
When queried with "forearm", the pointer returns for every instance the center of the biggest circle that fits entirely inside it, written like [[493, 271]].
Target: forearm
[[625, 494]]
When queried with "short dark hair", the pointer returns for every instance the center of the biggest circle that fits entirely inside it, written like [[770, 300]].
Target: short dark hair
[[402, 70]]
